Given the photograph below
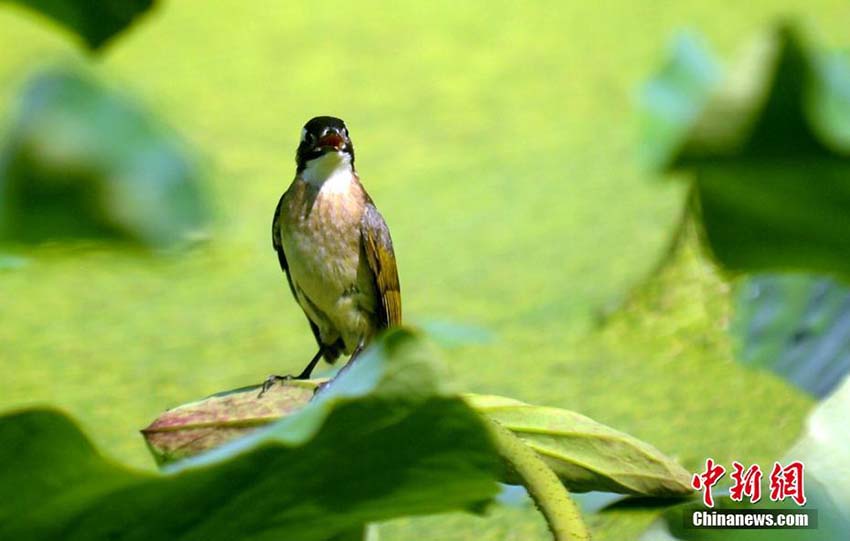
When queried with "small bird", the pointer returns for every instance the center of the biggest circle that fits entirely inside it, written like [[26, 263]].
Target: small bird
[[334, 247]]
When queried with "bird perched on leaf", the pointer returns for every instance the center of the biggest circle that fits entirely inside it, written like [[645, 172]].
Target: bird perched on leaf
[[334, 247]]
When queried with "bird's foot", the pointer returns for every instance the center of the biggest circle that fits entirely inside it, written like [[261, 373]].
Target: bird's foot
[[271, 380]]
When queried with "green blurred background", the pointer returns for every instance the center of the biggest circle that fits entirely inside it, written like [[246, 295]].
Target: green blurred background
[[498, 140]]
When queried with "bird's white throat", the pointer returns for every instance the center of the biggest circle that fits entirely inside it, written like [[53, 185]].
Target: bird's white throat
[[331, 172]]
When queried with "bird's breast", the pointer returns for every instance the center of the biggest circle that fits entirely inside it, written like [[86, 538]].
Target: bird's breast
[[320, 231]]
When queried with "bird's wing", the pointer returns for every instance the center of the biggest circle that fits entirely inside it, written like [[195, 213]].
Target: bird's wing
[[379, 252], [277, 244], [331, 350]]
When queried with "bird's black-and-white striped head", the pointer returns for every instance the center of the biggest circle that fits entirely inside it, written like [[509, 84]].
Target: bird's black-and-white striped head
[[321, 136]]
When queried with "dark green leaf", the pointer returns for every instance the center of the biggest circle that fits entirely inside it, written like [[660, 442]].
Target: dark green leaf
[[769, 155], [95, 21], [796, 325], [782, 214], [84, 161], [384, 440]]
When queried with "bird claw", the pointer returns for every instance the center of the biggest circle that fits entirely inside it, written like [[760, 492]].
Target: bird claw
[[271, 380]]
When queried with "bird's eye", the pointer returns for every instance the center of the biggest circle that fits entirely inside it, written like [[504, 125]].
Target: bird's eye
[[306, 136]]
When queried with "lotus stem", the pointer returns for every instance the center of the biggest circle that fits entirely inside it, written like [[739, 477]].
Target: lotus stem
[[549, 494]]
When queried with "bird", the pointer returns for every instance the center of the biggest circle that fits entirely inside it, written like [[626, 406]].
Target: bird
[[335, 248]]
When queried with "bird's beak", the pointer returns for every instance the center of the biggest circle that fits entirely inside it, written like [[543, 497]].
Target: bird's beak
[[331, 139]]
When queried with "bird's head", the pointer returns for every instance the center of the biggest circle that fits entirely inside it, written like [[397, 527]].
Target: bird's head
[[324, 137]]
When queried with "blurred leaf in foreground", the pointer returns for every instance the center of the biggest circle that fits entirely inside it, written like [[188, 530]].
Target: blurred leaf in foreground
[[825, 446], [95, 21], [81, 160], [674, 98], [385, 440], [584, 454], [797, 326], [11, 262], [768, 150]]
